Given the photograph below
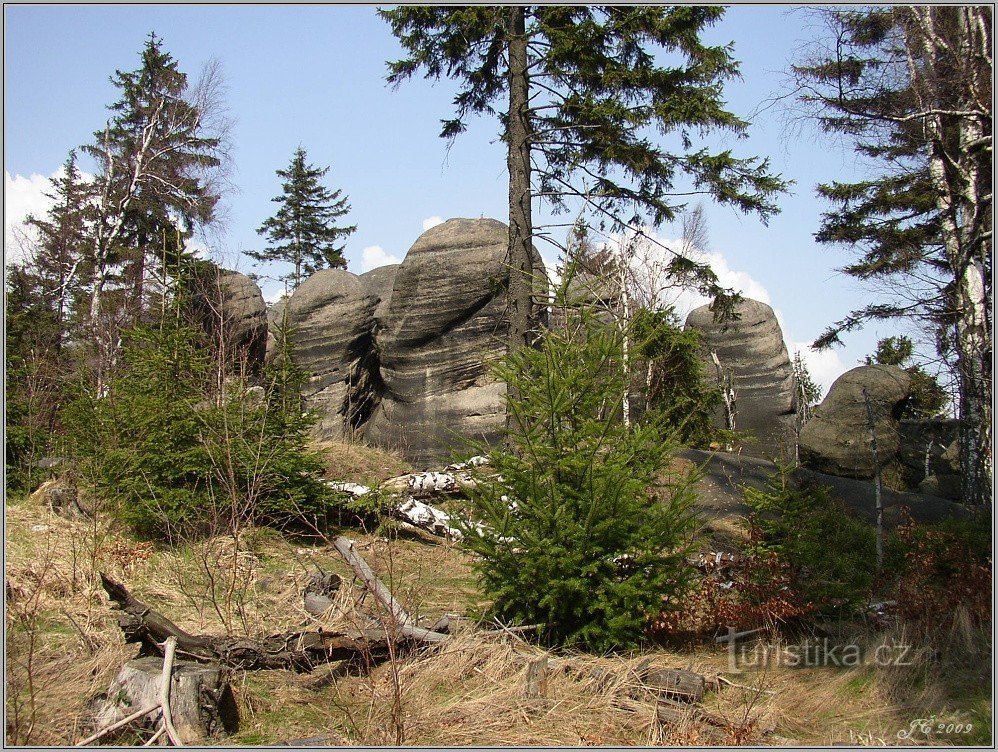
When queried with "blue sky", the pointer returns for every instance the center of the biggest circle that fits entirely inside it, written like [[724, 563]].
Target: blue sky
[[314, 76]]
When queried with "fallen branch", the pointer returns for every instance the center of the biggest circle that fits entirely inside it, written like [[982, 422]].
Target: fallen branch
[[728, 682], [296, 651], [403, 622], [164, 691], [155, 737], [346, 549], [119, 724]]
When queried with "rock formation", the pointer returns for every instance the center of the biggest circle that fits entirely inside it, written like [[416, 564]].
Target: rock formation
[[381, 282], [752, 347], [331, 316], [444, 325], [924, 459], [836, 440], [234, 301]]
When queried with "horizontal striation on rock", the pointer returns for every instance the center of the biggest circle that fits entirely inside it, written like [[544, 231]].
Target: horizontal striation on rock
[[752, 347], [380, 281], [331, 316], [444, 326]]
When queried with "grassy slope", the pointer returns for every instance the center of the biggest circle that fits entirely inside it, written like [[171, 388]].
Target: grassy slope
[[469, 692]]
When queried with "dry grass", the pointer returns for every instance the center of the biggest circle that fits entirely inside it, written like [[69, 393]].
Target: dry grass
[[469, 691], [357, 462]]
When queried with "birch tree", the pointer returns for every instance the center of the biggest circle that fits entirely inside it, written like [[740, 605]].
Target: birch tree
[[912, 86], [160, 158]]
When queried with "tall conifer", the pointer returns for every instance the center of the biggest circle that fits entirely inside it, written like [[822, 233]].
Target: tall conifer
[[304, 232]]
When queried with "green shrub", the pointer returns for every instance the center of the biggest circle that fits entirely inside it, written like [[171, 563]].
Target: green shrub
[[578, 535], [832, 553], [176, 455], [680, 392]]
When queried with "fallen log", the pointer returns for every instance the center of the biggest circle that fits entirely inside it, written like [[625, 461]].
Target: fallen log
[[408, 509], [294, 651], [403, 623]]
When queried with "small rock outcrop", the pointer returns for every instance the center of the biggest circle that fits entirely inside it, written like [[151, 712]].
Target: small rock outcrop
[[924, 462], [444, 325], [232, 305], [331, 316], [752, 347], [836, 440]]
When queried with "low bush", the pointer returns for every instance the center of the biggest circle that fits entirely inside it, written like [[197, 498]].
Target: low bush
[[740, 591], [176, 455], [941, 568], [831, 554]]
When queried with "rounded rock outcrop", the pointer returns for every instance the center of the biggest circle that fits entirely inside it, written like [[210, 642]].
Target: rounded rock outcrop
[[444, 325], [331, 320], [231, 305], [837, 440], [381, 281]]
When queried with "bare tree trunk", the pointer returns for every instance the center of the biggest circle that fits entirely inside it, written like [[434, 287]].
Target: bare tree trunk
[[518, 164], [871, 424]]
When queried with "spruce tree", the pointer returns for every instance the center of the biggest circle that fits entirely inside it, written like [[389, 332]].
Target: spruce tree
[[62, 258], [580, 98], [304, 232], [579, 526]]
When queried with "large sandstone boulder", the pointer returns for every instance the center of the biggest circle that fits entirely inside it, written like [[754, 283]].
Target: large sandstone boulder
[[752, 347], [231, 303], [836, 440], [331, 316], [444, 325]]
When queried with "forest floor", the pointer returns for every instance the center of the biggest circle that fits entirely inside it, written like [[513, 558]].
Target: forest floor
[[64, 648]]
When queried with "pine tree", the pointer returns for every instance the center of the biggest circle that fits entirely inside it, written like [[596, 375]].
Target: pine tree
[[912, 86], [582, 95], [304, 233]]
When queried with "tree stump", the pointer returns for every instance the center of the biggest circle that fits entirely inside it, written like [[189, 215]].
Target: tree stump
[[61, 498], [201, 699], [537, 678]]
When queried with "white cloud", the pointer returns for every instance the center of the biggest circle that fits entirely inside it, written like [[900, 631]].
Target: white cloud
[[431, 222], [22, 196], [374, 256], [824, 366], [271, 293]]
